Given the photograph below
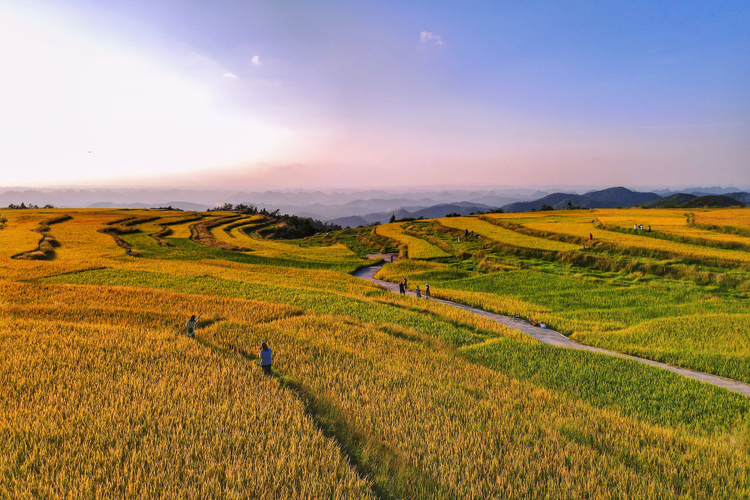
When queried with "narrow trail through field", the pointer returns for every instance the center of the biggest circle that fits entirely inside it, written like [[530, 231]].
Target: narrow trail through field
[[551, 337]]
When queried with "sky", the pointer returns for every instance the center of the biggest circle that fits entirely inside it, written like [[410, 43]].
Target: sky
[[324, 94]]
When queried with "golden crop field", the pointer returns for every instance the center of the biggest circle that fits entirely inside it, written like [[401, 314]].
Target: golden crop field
[[374, 395], [733, 217], [417, 247], [505, 236], [582, 225], [270, 248], [669, 222]]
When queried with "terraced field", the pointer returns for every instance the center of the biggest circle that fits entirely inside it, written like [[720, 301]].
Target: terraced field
[[671, 223], [375, 395], [581, 226], [505, 236], [417, 248]]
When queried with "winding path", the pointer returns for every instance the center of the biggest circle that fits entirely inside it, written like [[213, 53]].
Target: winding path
[[551, 337]]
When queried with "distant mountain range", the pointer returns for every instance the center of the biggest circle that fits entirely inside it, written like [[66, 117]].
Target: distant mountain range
[[606, 198], [712, 200], [623, 197], [358, 208], [700, 191], [181, 205], [316, 204], [435, 211]]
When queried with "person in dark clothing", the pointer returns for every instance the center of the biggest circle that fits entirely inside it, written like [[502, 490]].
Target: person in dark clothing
[[190, 325], [401, 287], [591, 236], [406, 285], [266, 358]]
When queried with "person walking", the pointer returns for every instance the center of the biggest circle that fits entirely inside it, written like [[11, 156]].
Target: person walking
[[406, 286], [427, 291], [419, 292], [401, 287], [266, 358], [190, 325]]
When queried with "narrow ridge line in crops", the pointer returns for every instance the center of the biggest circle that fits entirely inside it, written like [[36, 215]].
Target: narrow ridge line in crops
[[115, 233], [77, 271], [552, 337], [45, 248], [313, 411]]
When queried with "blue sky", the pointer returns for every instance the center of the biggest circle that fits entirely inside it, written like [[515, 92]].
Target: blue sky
[[399, 94]]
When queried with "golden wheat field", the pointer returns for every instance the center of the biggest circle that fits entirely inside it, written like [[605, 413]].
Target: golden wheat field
[[374, 395]]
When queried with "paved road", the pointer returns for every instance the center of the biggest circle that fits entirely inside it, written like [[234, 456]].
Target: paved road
[[551, 337]]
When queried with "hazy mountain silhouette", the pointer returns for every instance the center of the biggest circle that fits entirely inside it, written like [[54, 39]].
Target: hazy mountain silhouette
[[433, 212], [606, 198], [712, 200], [671, 201]]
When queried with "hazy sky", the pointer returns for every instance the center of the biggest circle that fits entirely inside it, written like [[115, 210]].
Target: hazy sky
[[374, 93]]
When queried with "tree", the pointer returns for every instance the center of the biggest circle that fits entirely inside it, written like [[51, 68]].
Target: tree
[[546, 208], [393, 218]]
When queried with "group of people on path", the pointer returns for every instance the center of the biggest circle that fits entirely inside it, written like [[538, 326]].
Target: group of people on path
[[265, 355], [639, 227], [403, 287]]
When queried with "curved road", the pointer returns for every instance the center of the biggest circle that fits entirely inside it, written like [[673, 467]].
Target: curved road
[[551, 337]]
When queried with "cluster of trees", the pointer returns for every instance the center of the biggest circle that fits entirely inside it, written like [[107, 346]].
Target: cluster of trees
[[546, 208], [405, 219], [245, 209], [13, 206], [293, 227], [287, 226]]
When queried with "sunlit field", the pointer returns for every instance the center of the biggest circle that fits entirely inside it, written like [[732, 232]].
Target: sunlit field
[[487, 230], [667, 224], [588, 225], [416, 247], [374, 395], [730, 220]]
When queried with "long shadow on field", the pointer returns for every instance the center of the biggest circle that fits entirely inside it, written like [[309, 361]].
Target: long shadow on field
[[323, 417]]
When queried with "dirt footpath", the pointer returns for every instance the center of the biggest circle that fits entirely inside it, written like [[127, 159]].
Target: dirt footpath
[[551, 337]]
